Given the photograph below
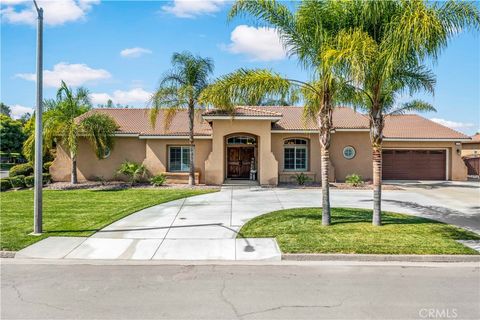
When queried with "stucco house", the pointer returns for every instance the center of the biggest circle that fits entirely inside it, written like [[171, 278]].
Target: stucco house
[[273, 142], [471, 148]]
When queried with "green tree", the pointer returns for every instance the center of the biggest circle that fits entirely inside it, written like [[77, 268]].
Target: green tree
[[11, 134], [61, 125], [180, 89], [385, 53], [5, 110], [306, 34]]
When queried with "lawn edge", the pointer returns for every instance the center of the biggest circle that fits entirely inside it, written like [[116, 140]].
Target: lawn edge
[[381, 257]]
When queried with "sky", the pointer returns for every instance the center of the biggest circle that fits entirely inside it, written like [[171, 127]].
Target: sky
[[119, 50]]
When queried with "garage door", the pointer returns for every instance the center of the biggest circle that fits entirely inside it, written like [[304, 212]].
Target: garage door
[[414, 164]]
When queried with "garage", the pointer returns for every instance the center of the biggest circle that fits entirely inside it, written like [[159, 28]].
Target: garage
[[401, 164]]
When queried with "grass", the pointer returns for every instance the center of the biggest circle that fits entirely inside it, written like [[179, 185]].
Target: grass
[[300, 231], [74, 212]]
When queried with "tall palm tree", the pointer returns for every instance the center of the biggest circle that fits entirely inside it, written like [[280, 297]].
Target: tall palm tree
[[385, 51], [179, 89], [60, 126], [305, 34]]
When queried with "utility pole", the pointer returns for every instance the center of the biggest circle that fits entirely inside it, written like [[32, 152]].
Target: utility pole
[[38, 201]]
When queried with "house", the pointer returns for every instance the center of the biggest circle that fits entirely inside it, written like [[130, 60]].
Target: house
[[274, 142], [471, 148]]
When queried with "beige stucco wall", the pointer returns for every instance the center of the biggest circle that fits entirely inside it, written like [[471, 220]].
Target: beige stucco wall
[[156, 159], [89, 167], [267, 164], [469, 149]]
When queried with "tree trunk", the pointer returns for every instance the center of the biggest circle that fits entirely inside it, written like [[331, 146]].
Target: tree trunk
[[191, 116], [73, 176], [376, 136], [325, 125], [377, 186], [326, 216]]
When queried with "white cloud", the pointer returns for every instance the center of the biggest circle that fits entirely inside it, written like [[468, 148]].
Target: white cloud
[[259, 44], [72, 74], [18, 111], [453, 124], [136, 95], [134, 52], [55, 12], [192, 8]]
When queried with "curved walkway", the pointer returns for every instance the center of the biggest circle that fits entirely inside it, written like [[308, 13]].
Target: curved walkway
[[204, 227]]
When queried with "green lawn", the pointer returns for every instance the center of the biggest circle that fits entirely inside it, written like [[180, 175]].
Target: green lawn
[[74, 212], [300, 231]]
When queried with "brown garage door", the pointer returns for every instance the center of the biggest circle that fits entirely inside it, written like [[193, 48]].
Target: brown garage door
[[414, 164]]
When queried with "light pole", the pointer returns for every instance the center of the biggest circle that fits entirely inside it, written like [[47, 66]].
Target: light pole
[[37, 205]]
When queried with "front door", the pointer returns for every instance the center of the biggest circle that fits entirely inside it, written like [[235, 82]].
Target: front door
[[239, 161]]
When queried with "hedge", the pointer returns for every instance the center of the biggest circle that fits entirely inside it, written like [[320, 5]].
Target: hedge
[[18, 181], [29, 181], [5, 184], [24, 169]]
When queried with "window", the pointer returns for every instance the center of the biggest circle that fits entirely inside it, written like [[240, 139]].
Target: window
[[179, 158], [107, 153], [241, 140], [349, 152], [295, 155]]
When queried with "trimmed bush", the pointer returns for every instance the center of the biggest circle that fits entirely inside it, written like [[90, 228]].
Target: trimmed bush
[[29, 181], [354, 180], [24, 169], [5, 184], [18, 181], [46, 166], [47, 178], [158, 180]]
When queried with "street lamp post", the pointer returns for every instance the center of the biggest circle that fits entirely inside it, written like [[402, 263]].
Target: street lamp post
[[37, 220]]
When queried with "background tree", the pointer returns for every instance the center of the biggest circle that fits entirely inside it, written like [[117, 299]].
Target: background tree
[[11, 135], [385, 54], [61, 126], [179, 89], [5, 110]]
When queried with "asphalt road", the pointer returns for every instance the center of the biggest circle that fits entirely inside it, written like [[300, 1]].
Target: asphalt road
[[276, 291]]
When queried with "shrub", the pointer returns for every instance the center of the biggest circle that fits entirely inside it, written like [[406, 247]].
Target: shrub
[[29, 181], [5, 184], [158, 180], [46, 178], [135, 172], [46, 166], [302, 178], [18, 181], [354, 180], [24, 169]]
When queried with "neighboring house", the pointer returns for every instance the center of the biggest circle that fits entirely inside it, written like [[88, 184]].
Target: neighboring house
[[275, 142], [472, 147]]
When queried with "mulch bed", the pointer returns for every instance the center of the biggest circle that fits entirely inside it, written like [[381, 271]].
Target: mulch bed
[[118, 185], [340, 186]]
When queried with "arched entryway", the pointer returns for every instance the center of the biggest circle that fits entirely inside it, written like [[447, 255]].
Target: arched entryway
[[241, 156]]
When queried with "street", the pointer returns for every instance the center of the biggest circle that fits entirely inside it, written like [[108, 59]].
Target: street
[[85, 290]]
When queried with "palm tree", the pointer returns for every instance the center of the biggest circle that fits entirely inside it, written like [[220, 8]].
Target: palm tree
[[305, 34], [384, 53], [61, 126], [179, 89]]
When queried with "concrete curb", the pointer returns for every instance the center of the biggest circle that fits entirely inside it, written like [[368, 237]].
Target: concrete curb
[[381, 257], [7, 254]]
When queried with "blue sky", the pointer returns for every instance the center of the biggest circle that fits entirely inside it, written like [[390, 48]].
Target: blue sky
[[119, 50]]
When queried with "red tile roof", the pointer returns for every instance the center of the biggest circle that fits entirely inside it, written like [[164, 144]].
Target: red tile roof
[[136, 121], [475, 139]]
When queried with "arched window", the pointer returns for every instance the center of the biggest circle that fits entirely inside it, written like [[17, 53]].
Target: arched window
[[241, 140], [295, 155]]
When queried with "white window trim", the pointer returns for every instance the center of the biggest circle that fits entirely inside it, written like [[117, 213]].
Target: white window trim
[[295, 147], [181, 158]]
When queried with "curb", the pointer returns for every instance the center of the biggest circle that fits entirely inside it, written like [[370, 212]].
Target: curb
[[7, 254], [381, 257]]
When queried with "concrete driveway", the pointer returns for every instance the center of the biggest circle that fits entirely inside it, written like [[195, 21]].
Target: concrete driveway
[[205, 227]]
